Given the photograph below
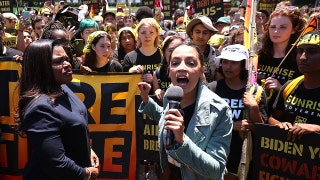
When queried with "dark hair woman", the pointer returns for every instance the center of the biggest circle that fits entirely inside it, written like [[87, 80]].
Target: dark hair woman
[[52, 116]]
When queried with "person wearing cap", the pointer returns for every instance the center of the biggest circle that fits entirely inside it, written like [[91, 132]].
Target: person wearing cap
[[120, 20], [109, 17], [200, 29], [10, 20], [46, 14], [232, 63], [297, 110], [97, 54], [4, 50], [221, 23], [127, 42]]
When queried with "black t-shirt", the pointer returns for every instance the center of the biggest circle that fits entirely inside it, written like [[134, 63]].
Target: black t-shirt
[[119, 55], [111, 66], [234, 99], [175, 172], [287, 71], [163, 77], [149, 63], [301, 105]]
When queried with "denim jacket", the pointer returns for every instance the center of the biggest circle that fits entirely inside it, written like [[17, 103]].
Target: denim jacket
[[203, 154]]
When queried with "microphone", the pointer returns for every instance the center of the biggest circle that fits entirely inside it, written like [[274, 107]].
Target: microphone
[[174, 95]]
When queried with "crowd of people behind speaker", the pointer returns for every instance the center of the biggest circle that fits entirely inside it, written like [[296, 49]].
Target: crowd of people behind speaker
[[142, 42]]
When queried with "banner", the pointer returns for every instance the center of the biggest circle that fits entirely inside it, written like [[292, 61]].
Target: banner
[[6, 6], [147, 134], [268, 5], [10, 41], [110, 100], [210, 8], [277, 158]]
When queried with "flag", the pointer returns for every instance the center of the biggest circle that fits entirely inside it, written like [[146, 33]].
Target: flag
[[312, 25], [158, 3], [190, 9], [248, 27], [91, 14], [186, 18]]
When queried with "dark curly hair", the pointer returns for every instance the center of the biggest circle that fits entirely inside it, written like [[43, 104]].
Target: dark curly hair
[[50, 28]]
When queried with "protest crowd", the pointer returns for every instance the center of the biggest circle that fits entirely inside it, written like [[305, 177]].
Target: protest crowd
[[228, 84]]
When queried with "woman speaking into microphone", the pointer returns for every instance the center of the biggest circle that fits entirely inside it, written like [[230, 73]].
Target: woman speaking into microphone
[[202, 134]]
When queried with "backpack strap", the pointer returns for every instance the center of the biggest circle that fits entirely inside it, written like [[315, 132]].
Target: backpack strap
[[291, 86]]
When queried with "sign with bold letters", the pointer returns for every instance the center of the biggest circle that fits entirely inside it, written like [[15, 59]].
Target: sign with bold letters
[[275, 157]]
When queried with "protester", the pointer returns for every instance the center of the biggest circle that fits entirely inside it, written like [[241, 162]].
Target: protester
[[10, 21], [161, 80], [221, 23], [53, 118], [56, 30], [27, 38], [127, 43], [109, 17], [194, 155], [147, 57], [46, 14], [282, 30], [37, 26], [97, 54], [120, 20], [111, 29], [232, 88], [144, 12], [99, 21], [4, 50], [171, 25], [86, 27], [294, 108], [129, 21], [200, 29]]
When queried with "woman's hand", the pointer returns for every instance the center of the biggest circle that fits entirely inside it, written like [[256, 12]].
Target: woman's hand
[[144, 91], [272, 83], [147, 77], [174, 122], [92, 172], [85, 69], [71, 31], [136, 69], [94, 159], [159, 93], [249, 101], [243, 125]]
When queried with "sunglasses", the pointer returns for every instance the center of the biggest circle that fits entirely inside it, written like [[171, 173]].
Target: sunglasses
[[290, 8], [48, 15]]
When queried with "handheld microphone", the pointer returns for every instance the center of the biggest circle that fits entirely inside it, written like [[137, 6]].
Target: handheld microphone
[[174, 95]]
